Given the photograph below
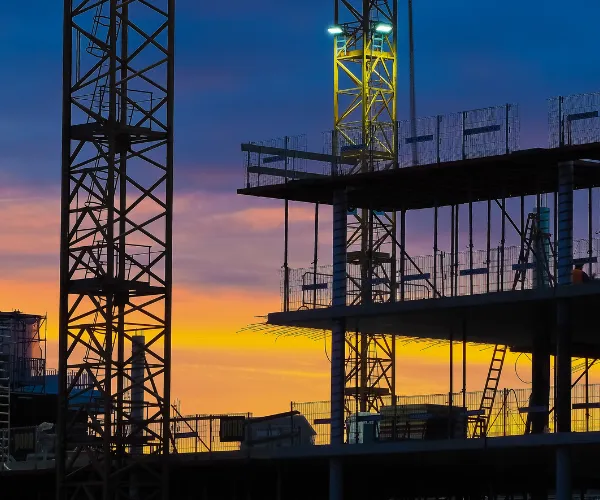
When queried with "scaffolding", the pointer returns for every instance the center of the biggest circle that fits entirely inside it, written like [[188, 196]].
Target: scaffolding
[[116, 243], [25, 344], [498, 273], [5, 385]]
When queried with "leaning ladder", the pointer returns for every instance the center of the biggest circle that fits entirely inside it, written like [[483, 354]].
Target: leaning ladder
[[490, 391], [493, 378], [497, 363], [4, 398]]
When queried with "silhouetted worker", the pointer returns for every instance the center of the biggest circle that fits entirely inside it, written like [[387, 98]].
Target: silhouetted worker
[[579, 275]]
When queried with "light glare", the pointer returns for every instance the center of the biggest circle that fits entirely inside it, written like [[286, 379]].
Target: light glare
[[335, 30], [383, 28]]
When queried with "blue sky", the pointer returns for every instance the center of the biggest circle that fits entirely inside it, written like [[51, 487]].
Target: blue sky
[[263, 69], [255, 70]]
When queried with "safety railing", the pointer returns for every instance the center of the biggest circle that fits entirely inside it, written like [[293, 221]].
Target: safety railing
[[416, 413], [202, 433], [478, 133], [429, 276], [456, 136], [574, 119], [264, 169], [459, 136], [27, 371], [189, 434], [419, 417]]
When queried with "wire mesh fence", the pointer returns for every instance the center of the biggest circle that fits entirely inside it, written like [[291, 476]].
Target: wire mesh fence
[[265, 169], [477, 133], [202, 433], [458, 136], [574, 119], [374, 143], [198, 433], [466, 134], [443, 275], [507, 418]]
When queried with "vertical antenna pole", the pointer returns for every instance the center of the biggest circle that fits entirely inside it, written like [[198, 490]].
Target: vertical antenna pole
[[435, 249], [315, 255], [488, 244], [456, 252], [452, 240], [471, 247], [413, 106], [502, 243], [451, 388], [286, 270], [590, 249]]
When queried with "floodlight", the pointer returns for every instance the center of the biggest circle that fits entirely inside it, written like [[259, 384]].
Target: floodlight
[[335, 30], [383, 28]]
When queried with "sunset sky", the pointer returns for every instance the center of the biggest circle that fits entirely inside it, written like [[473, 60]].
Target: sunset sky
[[253, 71]]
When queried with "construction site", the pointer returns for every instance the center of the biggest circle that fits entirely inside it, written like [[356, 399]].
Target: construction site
[[513, 266]]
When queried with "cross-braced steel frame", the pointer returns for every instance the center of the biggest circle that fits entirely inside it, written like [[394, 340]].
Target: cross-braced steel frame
[[116, 246], [365, 130]]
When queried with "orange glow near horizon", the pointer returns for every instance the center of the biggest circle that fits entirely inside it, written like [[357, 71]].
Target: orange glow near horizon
[[214, 368]]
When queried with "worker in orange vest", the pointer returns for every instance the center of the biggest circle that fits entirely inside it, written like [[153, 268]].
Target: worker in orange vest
[[579, 275]]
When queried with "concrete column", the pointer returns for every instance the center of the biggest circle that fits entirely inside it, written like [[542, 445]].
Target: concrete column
[[540, 359], [565, 223], [564, 272], [563, 474], [336, 480], [563, 327], [541, 245], [338, 332], [540, 373], [563, 368]]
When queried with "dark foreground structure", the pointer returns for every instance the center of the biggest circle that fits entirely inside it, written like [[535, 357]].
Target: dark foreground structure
[[528, 287], [522, 467], [525, 283]]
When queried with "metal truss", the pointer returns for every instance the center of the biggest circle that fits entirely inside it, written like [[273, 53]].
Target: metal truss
[[370, 373], [365, 131], [116, 247]]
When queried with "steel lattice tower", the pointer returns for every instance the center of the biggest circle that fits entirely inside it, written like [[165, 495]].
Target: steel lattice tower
[[365, 128], [116, 246]]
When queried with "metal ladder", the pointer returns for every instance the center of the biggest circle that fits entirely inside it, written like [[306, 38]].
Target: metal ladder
[[526, 242], [101, 23], [490, 390], [4, 399], [531, 235]]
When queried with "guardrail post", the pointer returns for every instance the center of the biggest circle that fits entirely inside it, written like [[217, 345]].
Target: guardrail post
[[463, 150], [561, 126], [504, 410], [507, 128], [286, 269], [438, 120], [210, 433]]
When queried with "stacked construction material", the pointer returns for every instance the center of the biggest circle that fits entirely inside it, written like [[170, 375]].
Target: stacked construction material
[[422, 421]]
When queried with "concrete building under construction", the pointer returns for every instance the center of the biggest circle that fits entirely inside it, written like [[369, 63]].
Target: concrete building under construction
[[528, 288], [525, 283]]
